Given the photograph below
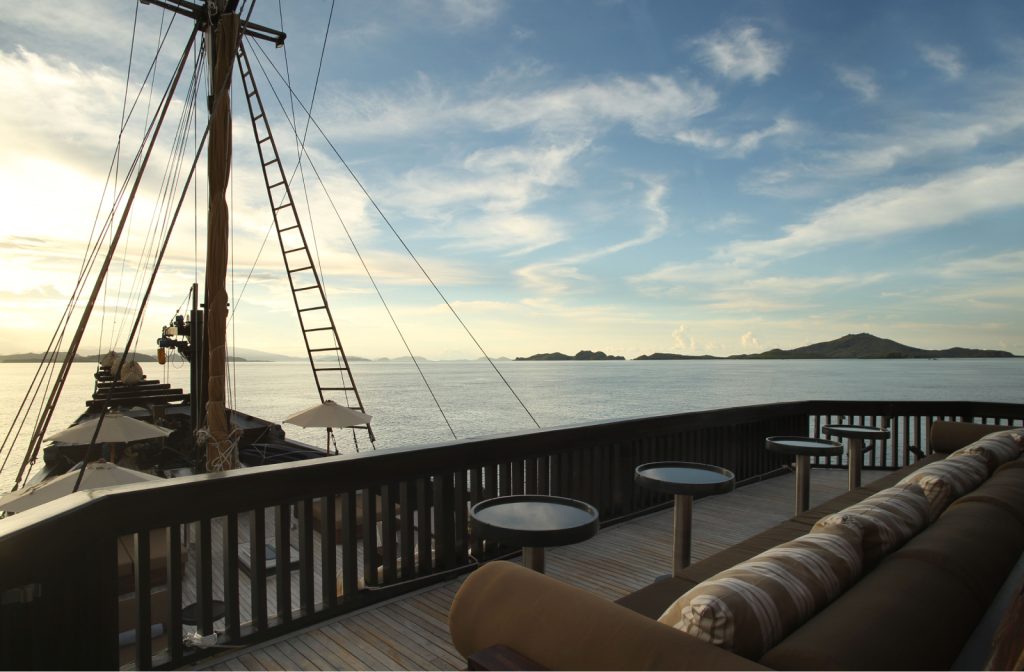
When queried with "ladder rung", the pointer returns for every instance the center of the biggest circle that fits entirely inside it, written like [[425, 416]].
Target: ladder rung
[[338, 389], [297, 270], [289, 228], [262, 140], [306, 310], [324, 349], [276, 184], [271, 162], [309, 331], [331, 368], [282, 207], [258, 116], [296, 249], [306, 289], [250, 95]]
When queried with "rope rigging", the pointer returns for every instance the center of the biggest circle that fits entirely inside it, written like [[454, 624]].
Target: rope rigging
[[385, 219]]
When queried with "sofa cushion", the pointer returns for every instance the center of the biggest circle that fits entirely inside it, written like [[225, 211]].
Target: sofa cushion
[[749, 608], [916, 609], [944, 481], [887, 519], [996, 449]]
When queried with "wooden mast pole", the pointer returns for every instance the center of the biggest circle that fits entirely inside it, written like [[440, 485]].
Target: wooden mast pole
[[221, 450]]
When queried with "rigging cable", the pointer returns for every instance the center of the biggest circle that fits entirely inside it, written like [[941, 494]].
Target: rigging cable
[[47, 413], [362, 261], [47, 365], [404, 245]]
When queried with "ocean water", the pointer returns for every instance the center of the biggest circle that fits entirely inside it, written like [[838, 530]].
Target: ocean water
[[477, 403]]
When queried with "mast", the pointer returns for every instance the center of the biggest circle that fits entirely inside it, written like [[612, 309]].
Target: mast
[[222, 41]]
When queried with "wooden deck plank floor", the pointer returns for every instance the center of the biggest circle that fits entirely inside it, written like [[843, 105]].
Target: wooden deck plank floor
[[411, 632]]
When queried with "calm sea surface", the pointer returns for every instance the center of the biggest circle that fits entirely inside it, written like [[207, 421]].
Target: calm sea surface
[[557, 393]]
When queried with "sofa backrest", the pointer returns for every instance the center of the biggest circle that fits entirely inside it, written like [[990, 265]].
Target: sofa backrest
[[946, 436]]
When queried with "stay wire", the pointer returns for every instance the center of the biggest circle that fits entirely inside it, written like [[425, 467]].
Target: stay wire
[[362, 261], [48, 363], [406, 247]]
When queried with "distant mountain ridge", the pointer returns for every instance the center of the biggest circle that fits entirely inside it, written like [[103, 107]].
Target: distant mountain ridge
[[867, 346], [851, 346]]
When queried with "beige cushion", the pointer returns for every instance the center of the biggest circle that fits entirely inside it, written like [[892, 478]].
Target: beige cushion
[[997, 449], [953, 477], [749, 608], [887, 519]]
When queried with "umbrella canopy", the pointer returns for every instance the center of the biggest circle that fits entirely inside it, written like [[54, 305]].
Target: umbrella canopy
[[97, 475], [116, 428], [328, 414]]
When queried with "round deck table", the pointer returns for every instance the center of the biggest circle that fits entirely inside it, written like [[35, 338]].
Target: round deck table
[[534, 522], [855, 436], [803, 449], [683, 480]]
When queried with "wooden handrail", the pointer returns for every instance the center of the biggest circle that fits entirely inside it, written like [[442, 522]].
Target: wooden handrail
[[396, 519]]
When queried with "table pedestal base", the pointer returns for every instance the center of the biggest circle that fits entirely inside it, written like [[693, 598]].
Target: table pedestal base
[[682, 533], [533, 558], [803, 483], [856, 460]]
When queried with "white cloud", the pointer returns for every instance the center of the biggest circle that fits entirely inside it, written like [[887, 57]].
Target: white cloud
[[741, 53], [741, 145], [654, 107], [945, 59], [553, 277], [749, 341], [472, 13], [879, 214], [1004, 263], [930, 133], [859, 80]]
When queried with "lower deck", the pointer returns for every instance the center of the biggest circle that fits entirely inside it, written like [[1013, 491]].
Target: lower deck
[[411, 632]]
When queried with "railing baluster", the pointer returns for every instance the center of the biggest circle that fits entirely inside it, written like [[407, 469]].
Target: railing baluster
[[232, 614]]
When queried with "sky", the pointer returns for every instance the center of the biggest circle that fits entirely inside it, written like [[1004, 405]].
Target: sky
[[632, 177]]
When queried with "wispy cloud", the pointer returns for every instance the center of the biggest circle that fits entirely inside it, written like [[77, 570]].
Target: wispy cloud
[[472, 13], [554, 277], [859, 80], [739, 146], [879, 214], [1004, 263], [741, 53], [930, 134], [946, 59]]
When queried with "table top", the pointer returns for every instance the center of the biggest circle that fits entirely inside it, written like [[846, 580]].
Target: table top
[[534, 520], [856, 431], [803, 445], [685, 478]]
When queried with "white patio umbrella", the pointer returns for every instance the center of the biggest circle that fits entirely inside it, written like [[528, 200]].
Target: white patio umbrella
[[116, 428], [328, 414], [99, 474]]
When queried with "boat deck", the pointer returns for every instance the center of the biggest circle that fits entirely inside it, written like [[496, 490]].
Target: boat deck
[[411, 632]]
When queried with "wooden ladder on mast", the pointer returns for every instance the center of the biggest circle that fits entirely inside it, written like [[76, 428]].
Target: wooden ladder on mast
[[318, 329]]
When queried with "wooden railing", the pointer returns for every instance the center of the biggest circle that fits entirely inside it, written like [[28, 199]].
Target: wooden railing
[[77, 573]]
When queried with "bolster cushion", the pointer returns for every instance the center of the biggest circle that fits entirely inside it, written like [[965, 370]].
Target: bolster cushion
[[887, 519], [566, 628], [996, 449], [749, 608], [942, 482]]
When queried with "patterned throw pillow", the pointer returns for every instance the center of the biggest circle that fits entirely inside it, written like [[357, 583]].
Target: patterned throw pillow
[[751, 607], [997, 448], [887, 519], [944, 481]]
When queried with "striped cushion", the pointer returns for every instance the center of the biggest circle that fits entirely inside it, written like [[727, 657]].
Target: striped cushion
[[887, 519], [944, 481], [997, 448], [749, 608]]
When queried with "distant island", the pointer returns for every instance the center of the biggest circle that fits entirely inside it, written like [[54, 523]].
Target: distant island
[[582, 355], [851, 346], [866, 346]]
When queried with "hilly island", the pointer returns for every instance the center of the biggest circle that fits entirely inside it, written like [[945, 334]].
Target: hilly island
[[851, 346]]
